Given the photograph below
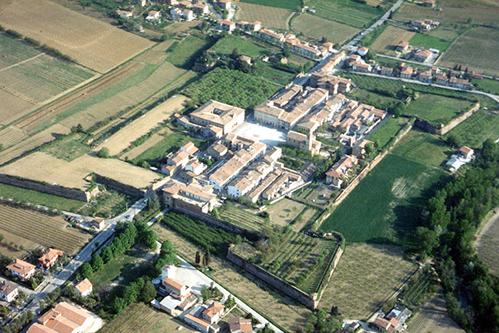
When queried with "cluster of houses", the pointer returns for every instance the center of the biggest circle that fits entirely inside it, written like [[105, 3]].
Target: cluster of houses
[[24, 270], [404, 49], [184, 302]]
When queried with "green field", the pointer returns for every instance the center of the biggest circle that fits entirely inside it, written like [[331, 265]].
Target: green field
[[487, 85], [232, 87], [240, 216], [287, 4], [372, 98], [476, 129], [349, 12], [14, 50], [385, 206], [384, 132], [39, 198], [437, 109], [317, 27], [68, 147], [429, 42], [243, 45], [184, 53]]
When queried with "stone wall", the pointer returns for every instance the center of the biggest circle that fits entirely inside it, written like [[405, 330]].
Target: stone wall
[[66, 192], [456, 121], [119, 187]]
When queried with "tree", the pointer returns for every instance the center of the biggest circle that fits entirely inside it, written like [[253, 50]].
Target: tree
[[198, 258], [86, 270], [206, 258], [103, 153], [97, 263], [118, 305], [153, 203], [148, 292], [107, 254]]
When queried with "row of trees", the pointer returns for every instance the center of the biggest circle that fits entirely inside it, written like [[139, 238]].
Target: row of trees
[[451, 219]]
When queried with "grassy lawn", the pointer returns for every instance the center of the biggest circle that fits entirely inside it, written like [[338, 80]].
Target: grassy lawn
[[437, 109], [372, 98], [385, 206], [244, 46], [384, 132], [184, 53], [429, 42], [317, 27], [487, 85], [143, 318], [476, 129], [270, 73], [39, 198], [68, 147], [232, 87], [287, 4]]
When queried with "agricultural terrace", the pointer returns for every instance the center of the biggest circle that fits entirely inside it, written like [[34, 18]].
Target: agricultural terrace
[[25, 230], [349, 12], [476, 49], [30, 77], [72, 174], [88, 41], [402, 180], [141, 126], [19, 194], [317, 27], [366, 276], [487, 241], [183, 53], [389, 37], [475, 130], [383, 133], [241, 216], [288, 4], [140, 317], [271, 17], [295, 257], [232, 87], [281, 310]]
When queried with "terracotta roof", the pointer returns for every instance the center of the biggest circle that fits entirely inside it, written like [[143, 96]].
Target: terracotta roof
[[465, 150], [197, 320], [173, 284], [6, 287], [72, 312], [38, 328], [242, 325], [21, 267], [214, 309], [50, 255], [84, 286]]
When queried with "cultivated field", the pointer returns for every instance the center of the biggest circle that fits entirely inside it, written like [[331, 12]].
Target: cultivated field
[[476, 49], [140, 317], [244, 45], [386, 131], [366, 276], [88, 41], [271, 17], [390, 213], [31, 227], [72, 174], [282, 310], [141, 126], [487, 241], [437, 109], [476, 129], [390, 37], [288, 4], [430, 42], [317, 27], [30, 77], [240, 216]]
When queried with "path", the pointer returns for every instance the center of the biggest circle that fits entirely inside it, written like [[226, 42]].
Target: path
[[487, 225], [21, 62]]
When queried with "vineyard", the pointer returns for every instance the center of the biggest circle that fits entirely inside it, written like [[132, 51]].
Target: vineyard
[[241, 217], [417, 288], [40, 229], [214, 240]]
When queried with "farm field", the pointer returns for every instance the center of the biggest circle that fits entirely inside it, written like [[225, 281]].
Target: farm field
[[30, 77], [183, 53], [288, 4], [271, 17], [356, 287], [317, 27], [429, 42], [476, 129], [487, 85], [37, 228], [238, 215], [67, 147], [437, 109], [141, 126], [390, 213], [476, 49], [140, 317], [38, 198], [391, 36], [349, 12], [72, 174], [232, 87], [386, 131], [282, 310], [285, 211], [487, 241], [88, 41]]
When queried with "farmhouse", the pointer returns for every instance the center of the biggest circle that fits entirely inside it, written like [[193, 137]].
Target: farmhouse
[[463, 156], [214, 115], [340, 170], [21, 269], [192, 196], [8, 291], [50, 257], [84, 287]]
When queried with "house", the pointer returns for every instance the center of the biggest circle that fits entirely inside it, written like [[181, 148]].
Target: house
[[359, 148], [218, 117], [226, 25], [428, 3], [463, 156], [21, 269], [254, 26], [124, 13], [64, 318], [199, 324], [50, 257], [460, 83], [340, 170], [388, 71], [466, 152], [406, 71], [246, 59], [201, 8], [217, 150], [361, 66], [423, 55], [394, 321], [175, 289], [240, 325], [362, 51], [402, 46], [195, 166], [84, 287], [304, 142], [224, 4], [213, 312], [426, 76], [8, 291], [153, 15], [271, 37]]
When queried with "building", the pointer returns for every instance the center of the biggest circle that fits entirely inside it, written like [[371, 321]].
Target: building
[[50, 257], [226, 25], [362, 51], [64, 318], [254, 26], [200, 8], [460, 83], [406, 71], [428, 3], [334, 84], [271, 37], [217, 150], [193, 197], [463, 156], [240, 325], [388, 71], [213, 312], [361, 66], [205, 318], [179, 159], [304, 142], [215, 115], [8, 291], [341, 170], [175, 289], [426, 76], [124, 13], [284, 97], [153, 15], [402, 46], [21, 269], [84, 288], [423, 55], [224, 4]]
